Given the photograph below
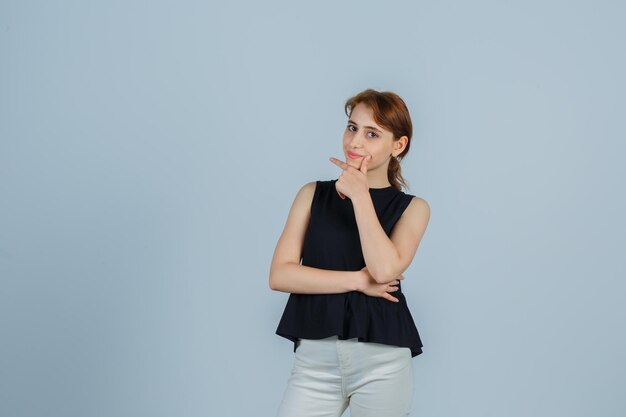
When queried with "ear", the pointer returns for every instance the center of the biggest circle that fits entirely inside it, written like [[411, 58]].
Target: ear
[[400, 144]]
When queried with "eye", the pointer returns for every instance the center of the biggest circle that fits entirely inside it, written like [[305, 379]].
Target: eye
[[373, 133], [350, 128]]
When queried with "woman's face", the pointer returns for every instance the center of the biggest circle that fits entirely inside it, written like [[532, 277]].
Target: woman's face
[[364, 137]]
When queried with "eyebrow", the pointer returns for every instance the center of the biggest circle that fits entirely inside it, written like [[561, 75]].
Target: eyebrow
[[367, 127]]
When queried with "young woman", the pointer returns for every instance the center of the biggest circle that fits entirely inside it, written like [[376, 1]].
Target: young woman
[[341, 256]]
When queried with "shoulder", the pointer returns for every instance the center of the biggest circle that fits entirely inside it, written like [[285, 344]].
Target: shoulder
[[413, 221], [308, 189], [305, 194], [419, 203], [417, 210]]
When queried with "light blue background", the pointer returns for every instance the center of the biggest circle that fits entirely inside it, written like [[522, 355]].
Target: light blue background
[[150, 152]]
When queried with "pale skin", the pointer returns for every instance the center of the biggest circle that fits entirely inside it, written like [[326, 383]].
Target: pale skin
[[386, 258]]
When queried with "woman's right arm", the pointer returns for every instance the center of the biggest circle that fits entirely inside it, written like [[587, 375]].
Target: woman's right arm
[[286, 272]]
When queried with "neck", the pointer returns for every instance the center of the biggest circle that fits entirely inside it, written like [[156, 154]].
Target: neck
[[377, 178], [377, 182]]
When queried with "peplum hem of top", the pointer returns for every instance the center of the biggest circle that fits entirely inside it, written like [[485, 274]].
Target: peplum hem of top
[[349, 315]]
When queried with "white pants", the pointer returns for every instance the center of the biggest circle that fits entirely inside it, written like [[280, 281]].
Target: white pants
[[328, 375]]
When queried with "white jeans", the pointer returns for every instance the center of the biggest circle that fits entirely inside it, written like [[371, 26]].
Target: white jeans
[[328, 375]]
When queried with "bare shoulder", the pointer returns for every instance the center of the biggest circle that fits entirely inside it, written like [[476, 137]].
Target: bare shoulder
[[304, 197], [308, 189], [418, 207], [415, 217]]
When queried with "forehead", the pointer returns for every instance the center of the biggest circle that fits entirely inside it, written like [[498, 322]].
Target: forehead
[[363, 115]]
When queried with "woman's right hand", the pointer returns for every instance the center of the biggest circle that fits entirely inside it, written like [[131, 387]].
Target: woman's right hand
[[369, 286]]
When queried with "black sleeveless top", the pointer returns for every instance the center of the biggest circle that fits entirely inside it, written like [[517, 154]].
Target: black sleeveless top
[[332, 242]]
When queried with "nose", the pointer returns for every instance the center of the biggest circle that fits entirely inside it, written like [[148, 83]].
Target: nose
[[355, 142]]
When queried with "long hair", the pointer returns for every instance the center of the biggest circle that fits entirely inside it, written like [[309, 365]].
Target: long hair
[[390, 112]]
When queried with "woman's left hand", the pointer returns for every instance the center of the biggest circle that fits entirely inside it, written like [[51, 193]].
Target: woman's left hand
[[352, 181]]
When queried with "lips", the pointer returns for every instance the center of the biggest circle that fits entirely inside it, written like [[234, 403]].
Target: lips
[[354, 155]]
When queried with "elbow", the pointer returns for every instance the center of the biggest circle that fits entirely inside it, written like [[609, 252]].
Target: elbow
[[382, 278], [274, 281], [385, 276], [275, 286], [278, 275]]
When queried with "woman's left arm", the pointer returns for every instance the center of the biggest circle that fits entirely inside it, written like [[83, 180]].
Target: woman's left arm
[[388, 257]]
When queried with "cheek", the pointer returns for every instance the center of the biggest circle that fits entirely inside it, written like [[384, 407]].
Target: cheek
[[373, 152]]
